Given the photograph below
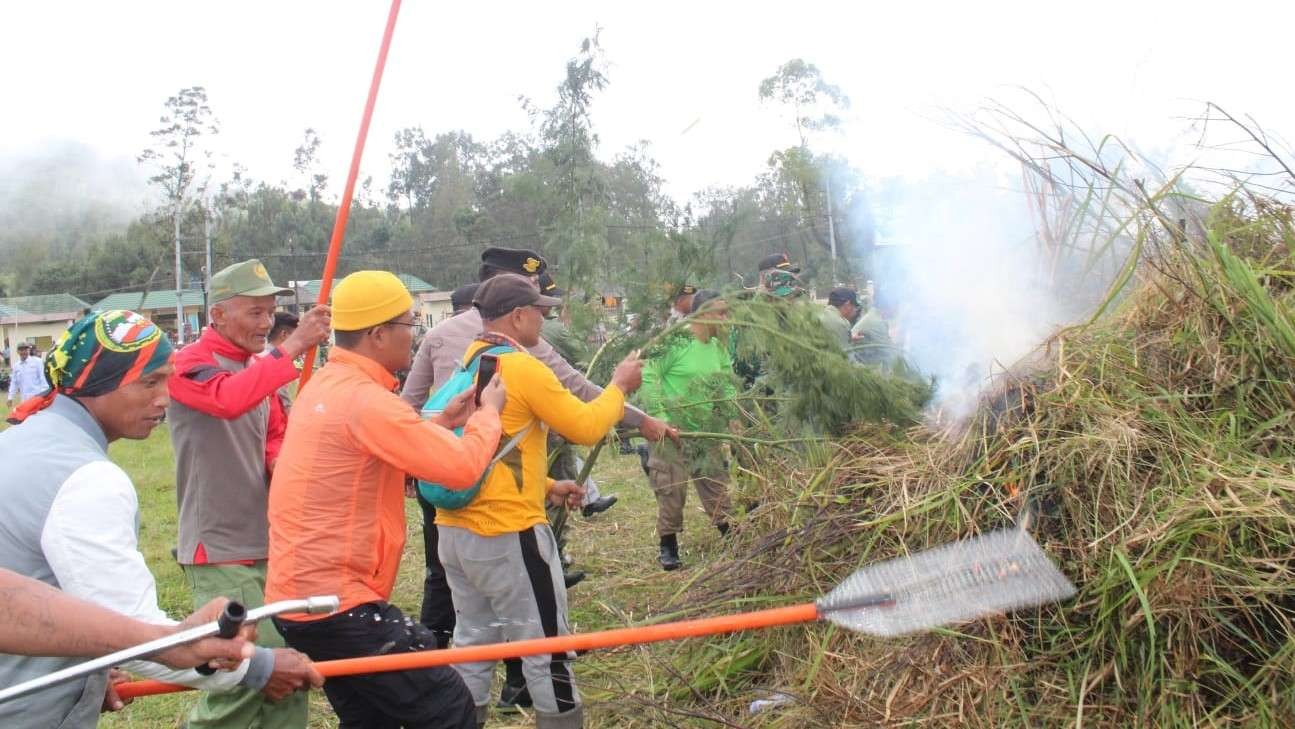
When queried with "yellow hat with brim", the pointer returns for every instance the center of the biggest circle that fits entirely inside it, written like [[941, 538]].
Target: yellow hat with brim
[[368, 298]]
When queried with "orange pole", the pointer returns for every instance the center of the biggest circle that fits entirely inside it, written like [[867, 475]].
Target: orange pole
[[498, 651], [344, 207]]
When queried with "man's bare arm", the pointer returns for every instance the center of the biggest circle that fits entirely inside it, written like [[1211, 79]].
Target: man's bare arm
[[39, 620]]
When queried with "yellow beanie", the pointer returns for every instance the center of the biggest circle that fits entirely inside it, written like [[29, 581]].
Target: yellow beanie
[[368, 298]]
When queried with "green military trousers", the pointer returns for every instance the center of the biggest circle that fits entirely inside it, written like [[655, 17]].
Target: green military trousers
[[669, 473], [242, 707]]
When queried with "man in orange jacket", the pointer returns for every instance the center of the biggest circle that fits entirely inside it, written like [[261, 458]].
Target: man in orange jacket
[[337, 506]]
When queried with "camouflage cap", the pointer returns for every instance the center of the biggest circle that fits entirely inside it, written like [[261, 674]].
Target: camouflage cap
[[248, 278]]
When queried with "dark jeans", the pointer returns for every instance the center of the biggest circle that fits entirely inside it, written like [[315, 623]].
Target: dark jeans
[[438, 609], [426, 698]]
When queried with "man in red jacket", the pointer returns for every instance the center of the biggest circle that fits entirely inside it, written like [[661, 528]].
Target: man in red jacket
[[221, 431]]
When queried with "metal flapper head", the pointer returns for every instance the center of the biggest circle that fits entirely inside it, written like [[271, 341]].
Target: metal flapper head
[[953, 583]]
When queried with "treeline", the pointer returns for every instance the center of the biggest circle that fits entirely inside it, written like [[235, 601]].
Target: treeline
[[604, 225]]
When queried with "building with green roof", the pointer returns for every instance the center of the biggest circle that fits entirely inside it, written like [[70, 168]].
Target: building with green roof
[[433, 305], [39, 320], [160, 307]]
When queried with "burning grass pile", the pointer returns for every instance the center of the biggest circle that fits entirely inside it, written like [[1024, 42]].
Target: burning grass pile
[[1151, 454]]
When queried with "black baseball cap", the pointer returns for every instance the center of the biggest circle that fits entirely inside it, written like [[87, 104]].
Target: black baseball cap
[[779, 261], [461, 297], [842, 294], [514, 260], [506, 292]]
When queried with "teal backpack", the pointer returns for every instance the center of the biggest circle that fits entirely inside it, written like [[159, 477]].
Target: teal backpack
[[464, 378]]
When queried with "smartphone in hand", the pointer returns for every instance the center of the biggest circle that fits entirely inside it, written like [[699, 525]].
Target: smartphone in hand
[[485, 373]]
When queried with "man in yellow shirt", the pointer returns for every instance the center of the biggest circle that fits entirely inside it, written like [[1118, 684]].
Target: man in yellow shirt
[[500, 557]]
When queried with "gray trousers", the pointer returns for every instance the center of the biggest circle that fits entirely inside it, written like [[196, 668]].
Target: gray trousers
[[510, 587], [669, 473]]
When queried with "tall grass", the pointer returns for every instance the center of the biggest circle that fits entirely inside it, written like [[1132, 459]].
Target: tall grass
[[1151, 453]]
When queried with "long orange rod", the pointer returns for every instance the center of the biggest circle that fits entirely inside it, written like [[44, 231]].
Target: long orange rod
[[498, 651], [344, 208]]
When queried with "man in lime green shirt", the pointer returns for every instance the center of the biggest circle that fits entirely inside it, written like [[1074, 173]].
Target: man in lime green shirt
[[690, 385]]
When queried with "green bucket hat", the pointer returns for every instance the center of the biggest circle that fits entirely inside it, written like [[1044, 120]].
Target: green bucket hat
[[248, 278]]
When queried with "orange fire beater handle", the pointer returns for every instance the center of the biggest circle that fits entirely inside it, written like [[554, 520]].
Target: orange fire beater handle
[[344, 206], [498, 651]]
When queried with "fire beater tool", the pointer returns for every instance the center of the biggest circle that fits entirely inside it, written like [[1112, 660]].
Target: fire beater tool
[[235, 616], [984, 575]]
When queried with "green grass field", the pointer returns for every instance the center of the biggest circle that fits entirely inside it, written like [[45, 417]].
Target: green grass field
[[617, 549]]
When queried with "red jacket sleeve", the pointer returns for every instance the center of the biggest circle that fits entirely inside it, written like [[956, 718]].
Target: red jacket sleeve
[[202, 385]]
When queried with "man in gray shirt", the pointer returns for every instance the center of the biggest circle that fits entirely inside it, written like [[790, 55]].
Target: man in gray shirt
[[443, 347], [440, 352]]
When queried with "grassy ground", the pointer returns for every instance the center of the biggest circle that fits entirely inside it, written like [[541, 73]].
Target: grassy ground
[[616, 548]]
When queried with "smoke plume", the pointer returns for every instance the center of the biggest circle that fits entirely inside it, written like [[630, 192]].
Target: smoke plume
[[961, 266]]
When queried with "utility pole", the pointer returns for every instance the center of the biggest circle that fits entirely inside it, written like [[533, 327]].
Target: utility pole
[[179, 301], [831, 228], [206, 229], [296, 282], [206, 271]]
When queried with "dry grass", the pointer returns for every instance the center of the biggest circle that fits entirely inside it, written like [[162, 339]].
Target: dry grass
[[1152, 453]]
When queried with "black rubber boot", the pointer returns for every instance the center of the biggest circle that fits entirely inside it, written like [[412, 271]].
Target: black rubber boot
[[514, 696], [669, 557], [597, 507]]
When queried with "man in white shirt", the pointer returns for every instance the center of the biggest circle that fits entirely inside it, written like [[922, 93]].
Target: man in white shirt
[[71, 516], [27, 379]]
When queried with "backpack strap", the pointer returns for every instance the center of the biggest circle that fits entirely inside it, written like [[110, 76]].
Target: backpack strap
[[471, 366], [495, 349]]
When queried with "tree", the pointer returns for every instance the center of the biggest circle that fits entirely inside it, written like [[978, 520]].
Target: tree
[[182, 164], [407, 173], [305, 160], [798, 181], [577, 236], [813, 102]]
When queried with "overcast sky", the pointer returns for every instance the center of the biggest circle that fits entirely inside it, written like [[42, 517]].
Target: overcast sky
[[683, 76]]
